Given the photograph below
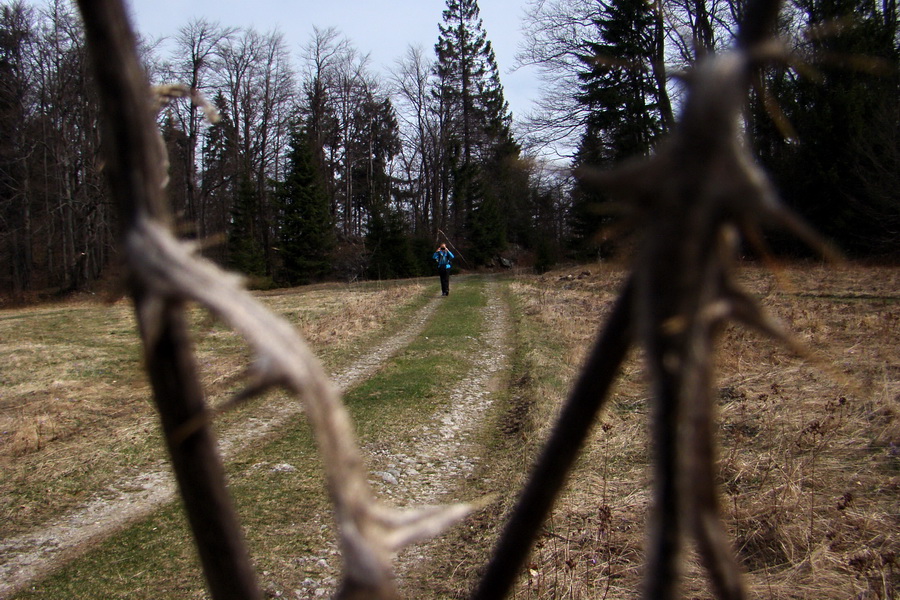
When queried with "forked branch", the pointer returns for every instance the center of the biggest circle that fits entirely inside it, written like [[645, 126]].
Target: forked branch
[[165, 273], [699, 191]]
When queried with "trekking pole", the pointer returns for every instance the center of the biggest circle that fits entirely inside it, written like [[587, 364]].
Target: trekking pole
[[452, 247]]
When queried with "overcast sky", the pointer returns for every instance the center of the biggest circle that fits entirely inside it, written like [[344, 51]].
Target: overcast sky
[[382, 28]]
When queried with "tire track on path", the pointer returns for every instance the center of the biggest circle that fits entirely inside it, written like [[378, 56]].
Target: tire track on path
[[446, 451], [27, 557], [443, 451]]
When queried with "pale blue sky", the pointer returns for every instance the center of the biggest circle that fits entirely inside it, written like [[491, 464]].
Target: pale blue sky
[[382, 28]]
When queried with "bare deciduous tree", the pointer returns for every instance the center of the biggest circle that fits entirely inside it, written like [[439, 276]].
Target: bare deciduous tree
[[557, 34], [198, 43], [423, 150], [322, 55]]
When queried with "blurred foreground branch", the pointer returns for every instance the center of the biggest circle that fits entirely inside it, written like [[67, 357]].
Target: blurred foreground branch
[[164, 274], [694, 198]]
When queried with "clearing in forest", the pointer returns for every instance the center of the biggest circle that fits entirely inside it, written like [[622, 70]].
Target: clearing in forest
[[451, 398]]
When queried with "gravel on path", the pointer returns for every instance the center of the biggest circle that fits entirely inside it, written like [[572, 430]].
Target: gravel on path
[[27, 557], [443, 451]]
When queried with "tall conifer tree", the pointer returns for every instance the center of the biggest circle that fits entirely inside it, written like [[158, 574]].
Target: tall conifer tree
[[622, 97], [841, 171], [388, 243], [305, 226], [477, 121], [245, 254]]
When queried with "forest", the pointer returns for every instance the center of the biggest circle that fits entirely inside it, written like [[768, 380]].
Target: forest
[[317, 167]]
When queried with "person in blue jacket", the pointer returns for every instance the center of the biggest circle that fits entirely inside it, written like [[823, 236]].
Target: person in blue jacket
[[443, 257]]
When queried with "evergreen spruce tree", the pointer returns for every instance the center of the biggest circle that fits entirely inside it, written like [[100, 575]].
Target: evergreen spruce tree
[[388, 243], [486, 231], [840, 172], [387, 239], [245, 255], [477, 118], [622, 97], [618, 85], [305, 228], [376, 144], [460, 50]]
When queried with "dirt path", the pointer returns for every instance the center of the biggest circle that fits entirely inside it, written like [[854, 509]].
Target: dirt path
[[443, 453], [26, 557]]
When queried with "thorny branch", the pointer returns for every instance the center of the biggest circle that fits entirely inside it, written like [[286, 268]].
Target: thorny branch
[[693, 198], [165, 274]]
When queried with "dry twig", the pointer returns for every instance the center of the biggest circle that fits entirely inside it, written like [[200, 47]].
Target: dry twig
[[699, 191], [164, 274]]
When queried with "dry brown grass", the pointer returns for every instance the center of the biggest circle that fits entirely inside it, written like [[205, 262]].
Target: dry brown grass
[[809, 455], [75, 410]]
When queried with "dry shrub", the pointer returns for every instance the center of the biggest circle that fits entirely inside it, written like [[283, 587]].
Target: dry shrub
[[810, 451]]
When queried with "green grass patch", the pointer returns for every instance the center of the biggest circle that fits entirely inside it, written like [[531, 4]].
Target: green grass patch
[[133, 564], [421, 376], [278, 487]]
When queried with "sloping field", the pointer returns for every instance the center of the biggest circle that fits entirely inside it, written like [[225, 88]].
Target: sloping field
[[810, 456], [809, 459], [75, 409]]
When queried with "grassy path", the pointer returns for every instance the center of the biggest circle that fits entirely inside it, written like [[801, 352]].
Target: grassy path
[[28, 556], [416, 413]]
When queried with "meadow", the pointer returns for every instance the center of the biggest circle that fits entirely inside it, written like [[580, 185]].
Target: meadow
[[809, 459]]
